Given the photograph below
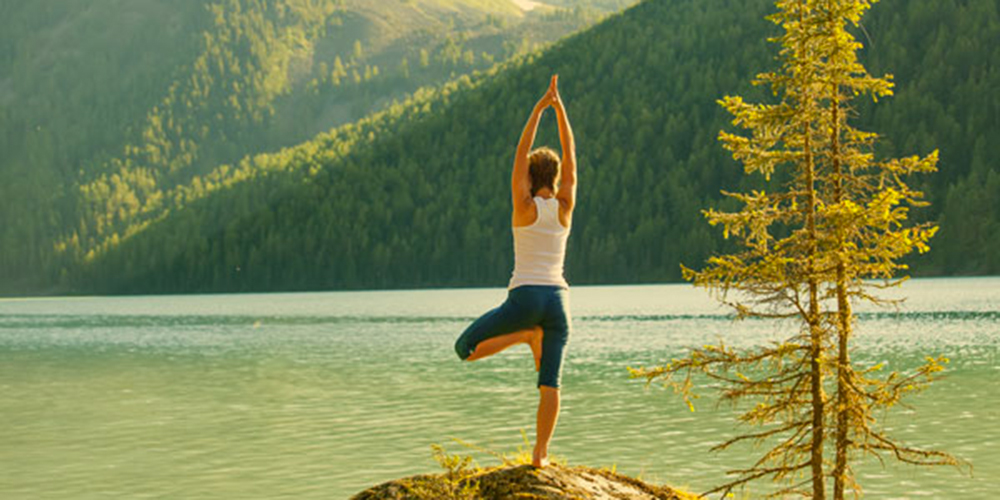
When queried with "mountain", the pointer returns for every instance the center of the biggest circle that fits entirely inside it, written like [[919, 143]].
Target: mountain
[[417, 195], [107, 107]]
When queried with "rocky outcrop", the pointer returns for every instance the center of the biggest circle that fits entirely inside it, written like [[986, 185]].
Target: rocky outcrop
[[523, 482]]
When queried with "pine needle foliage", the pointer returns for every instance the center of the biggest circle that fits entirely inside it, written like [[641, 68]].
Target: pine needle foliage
[[829, 231]]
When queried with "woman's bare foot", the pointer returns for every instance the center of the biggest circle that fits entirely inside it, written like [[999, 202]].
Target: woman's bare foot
[[535, 342], [538, 460]]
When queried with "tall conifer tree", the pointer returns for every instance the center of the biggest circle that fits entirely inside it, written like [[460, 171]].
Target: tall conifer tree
[[833, 216], [866, 203]]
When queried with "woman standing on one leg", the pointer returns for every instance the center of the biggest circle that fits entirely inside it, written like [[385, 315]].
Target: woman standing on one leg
[[536, 311]]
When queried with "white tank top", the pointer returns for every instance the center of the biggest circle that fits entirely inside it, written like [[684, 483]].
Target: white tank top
[[540, 248]]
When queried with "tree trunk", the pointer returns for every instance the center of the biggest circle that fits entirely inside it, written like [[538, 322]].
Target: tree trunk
[[815, 328], [845, 405], [815, 341], [815, 333]]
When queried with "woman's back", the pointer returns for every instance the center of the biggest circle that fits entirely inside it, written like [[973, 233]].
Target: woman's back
[[540, 248]]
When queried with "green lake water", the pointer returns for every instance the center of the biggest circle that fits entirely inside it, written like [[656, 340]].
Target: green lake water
[[320, 395]]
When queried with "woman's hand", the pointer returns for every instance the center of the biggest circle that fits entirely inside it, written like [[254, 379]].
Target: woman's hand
[[543, 103], [553, 92], [551, 97]]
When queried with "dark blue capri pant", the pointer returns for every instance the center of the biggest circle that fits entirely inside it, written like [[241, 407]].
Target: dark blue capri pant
[[527, 306]]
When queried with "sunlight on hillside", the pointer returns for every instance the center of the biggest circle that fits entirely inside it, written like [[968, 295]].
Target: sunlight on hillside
[[527, 5]]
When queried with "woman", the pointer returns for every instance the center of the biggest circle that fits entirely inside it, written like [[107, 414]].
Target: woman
[[536, 311]]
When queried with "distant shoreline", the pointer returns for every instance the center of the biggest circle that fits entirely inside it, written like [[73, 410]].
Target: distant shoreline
[[64, 294]]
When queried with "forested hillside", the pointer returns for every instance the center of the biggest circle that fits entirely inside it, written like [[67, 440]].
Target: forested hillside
[[418, 195], [69, 90], [108, 108]]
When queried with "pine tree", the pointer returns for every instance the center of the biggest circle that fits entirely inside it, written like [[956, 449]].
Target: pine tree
[[359, 51], [404, 68], [339, 71], [866, 203], [834, 218]]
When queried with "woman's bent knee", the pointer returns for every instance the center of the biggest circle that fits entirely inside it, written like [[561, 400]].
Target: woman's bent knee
[[462, 348]]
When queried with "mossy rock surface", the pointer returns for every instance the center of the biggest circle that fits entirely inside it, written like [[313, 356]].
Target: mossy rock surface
[[523, 482]]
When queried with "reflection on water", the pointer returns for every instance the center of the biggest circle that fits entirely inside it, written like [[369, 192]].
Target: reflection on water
[[321, 395]]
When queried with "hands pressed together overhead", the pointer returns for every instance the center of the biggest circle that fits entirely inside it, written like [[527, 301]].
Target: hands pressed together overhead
[[551, 97]]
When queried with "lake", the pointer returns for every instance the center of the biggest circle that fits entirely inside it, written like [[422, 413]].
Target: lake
[[320, 395]]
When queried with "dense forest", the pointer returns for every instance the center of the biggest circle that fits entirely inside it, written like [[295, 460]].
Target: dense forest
[[417, 195], [109, 109]]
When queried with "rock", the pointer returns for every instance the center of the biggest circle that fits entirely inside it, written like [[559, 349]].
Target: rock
[[523, 482]]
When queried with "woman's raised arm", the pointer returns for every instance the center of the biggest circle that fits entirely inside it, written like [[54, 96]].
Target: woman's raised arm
[[567, 184], [520, 182]]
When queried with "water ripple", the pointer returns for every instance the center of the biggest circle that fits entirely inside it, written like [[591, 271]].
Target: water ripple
[[301, 402]]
